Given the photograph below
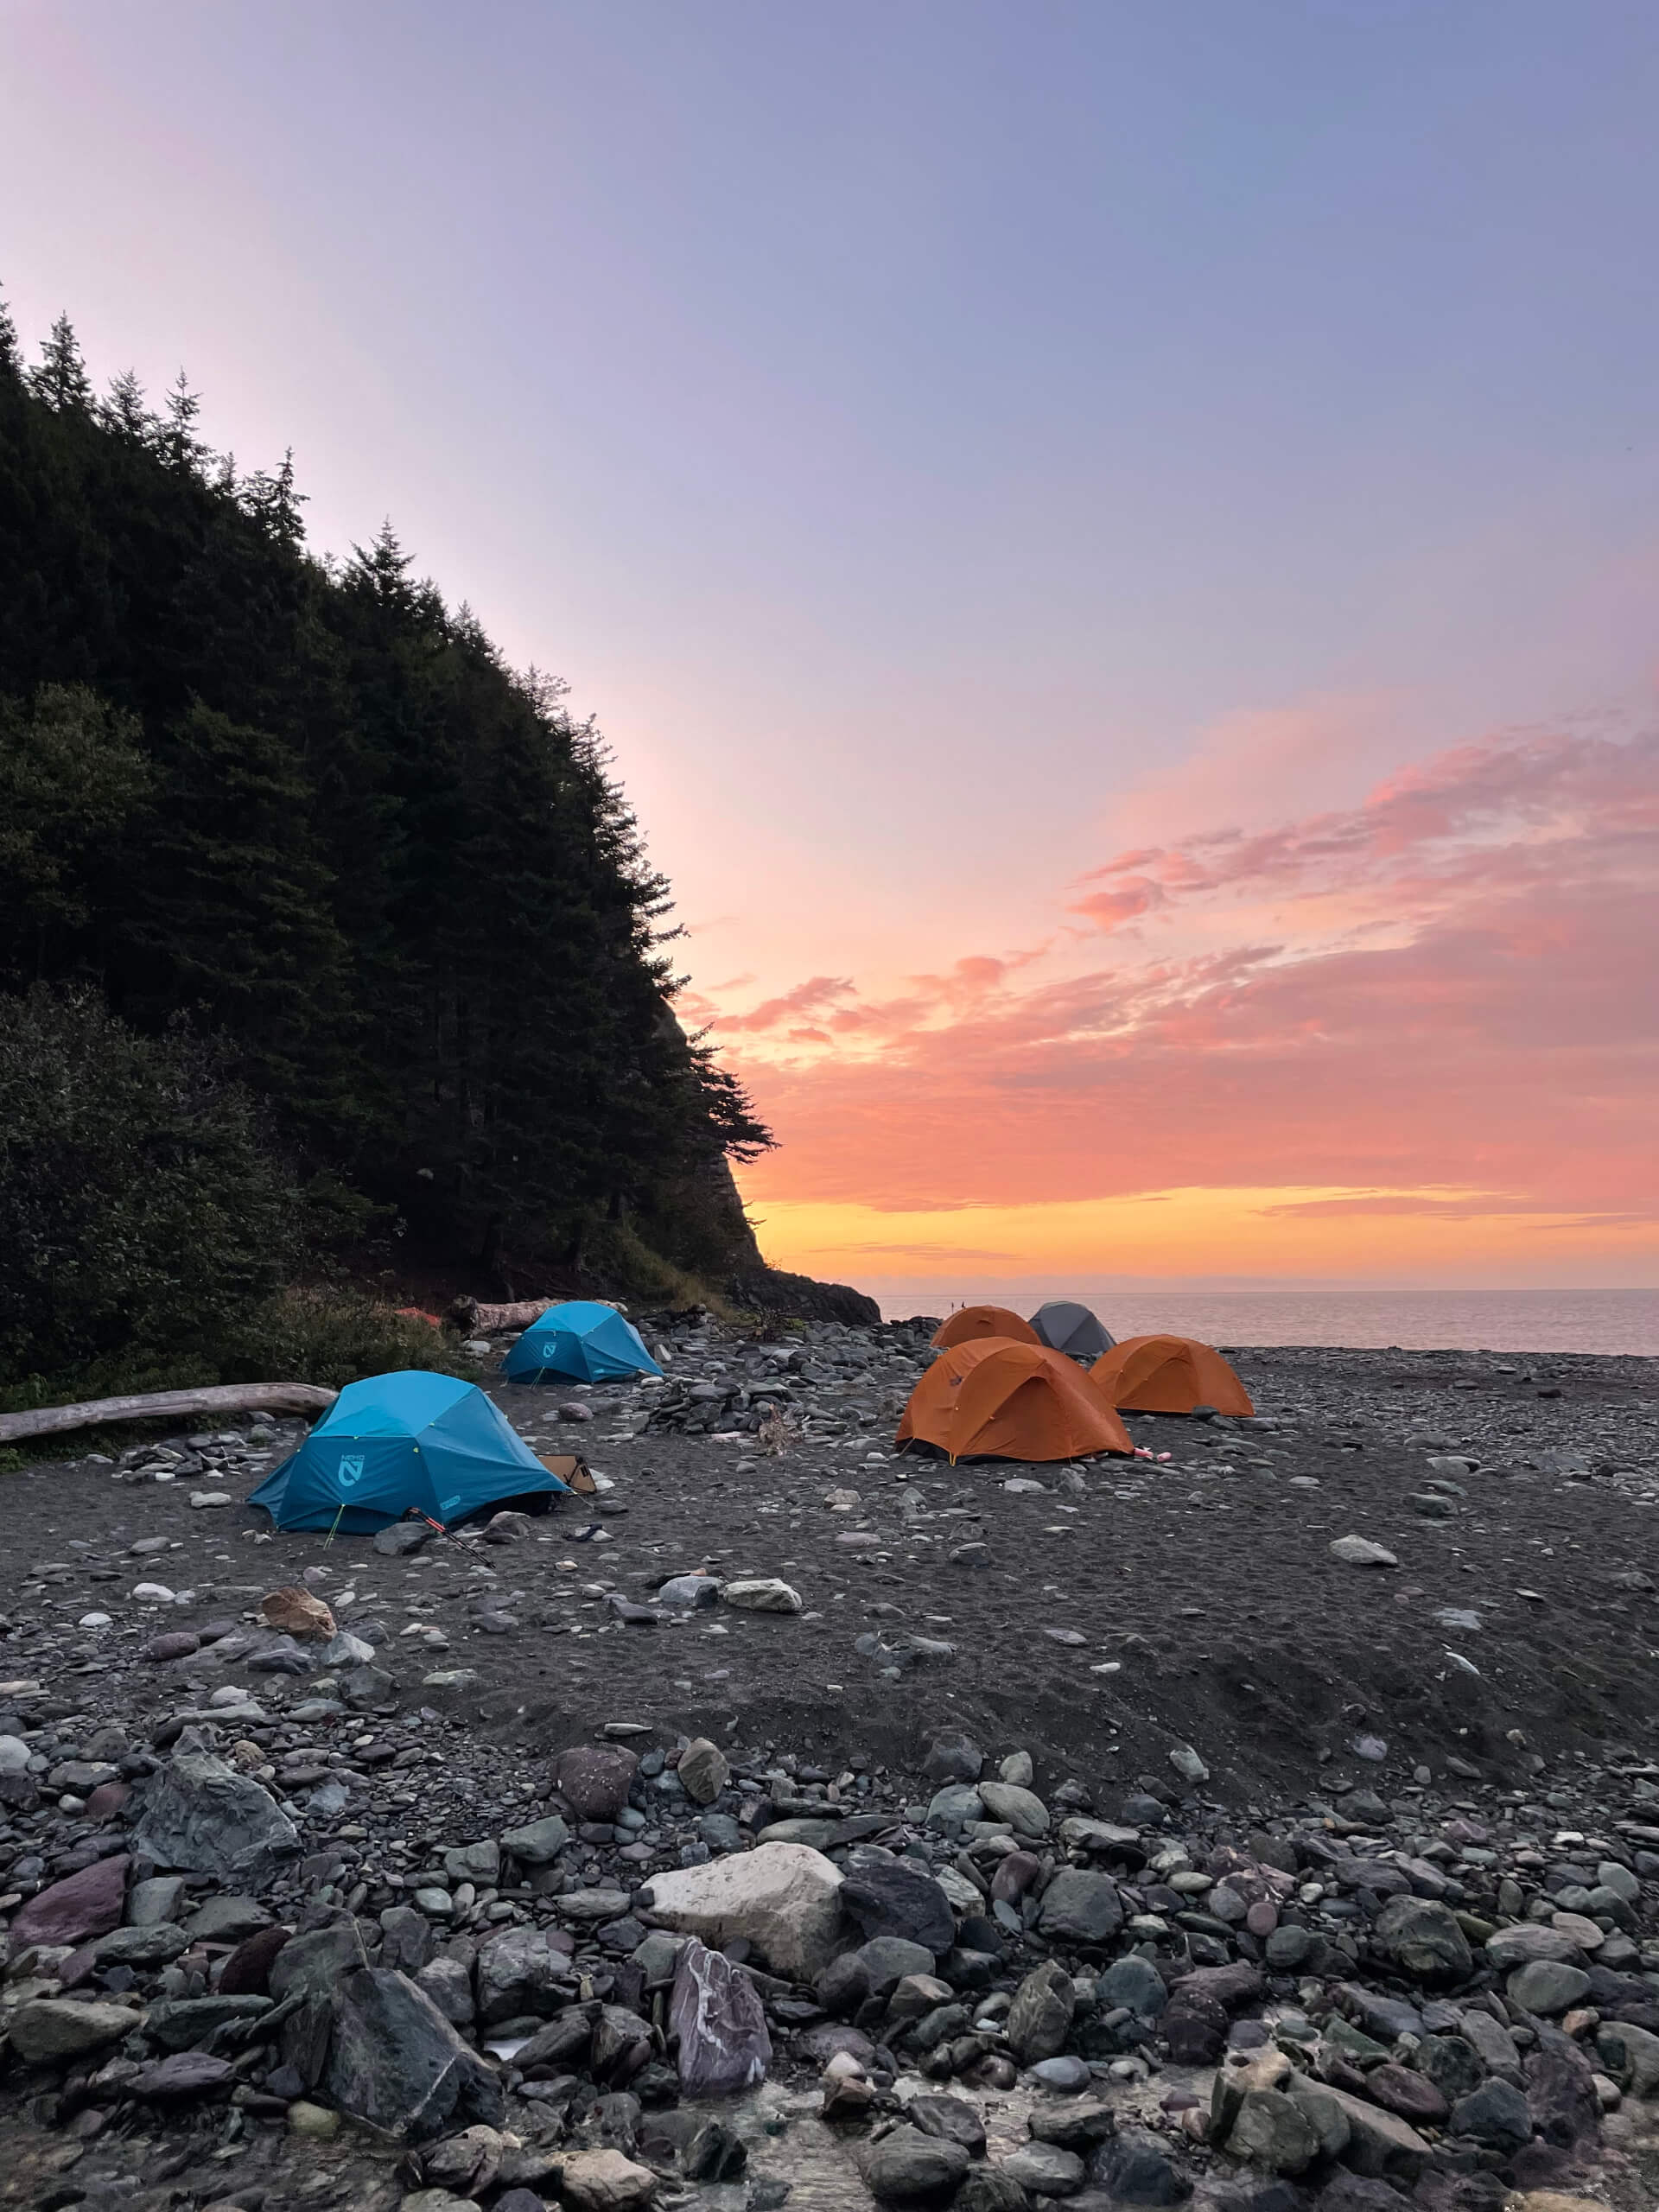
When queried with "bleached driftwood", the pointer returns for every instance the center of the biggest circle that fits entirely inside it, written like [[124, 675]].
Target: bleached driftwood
[[168, 1405], [491, 1320]]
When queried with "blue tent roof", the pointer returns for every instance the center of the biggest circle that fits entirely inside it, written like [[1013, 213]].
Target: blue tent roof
[[396, 1443], [581, 1340]]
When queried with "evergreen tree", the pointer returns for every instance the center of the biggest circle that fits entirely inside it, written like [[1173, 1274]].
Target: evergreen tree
[[275, 504], [324, 818], [11, 359], [124, 410], [73, 777], [232, 910], [383, 570], [60, 378], [178, 442]]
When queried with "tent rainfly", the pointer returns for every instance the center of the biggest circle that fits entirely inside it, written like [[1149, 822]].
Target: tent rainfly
[[972, 1323], [1167, 1375], [409, 1442], [996, 1400], [581, 1341], [1070, 1328]]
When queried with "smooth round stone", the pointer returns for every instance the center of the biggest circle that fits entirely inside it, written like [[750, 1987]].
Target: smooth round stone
[[1063, 2074], [1582, 1930], [1262, 1918], [93, 1620], [1045, 2170]]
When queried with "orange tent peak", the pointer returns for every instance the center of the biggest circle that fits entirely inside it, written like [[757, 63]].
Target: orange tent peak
[[973, 1324], [1167, 1375], [992, 1398]]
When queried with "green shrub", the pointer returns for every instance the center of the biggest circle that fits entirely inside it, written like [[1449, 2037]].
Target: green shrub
[[333, 1336], [142, 1217]]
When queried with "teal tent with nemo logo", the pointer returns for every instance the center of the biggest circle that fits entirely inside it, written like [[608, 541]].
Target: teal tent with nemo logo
[[410, 1442], [582, 1339]]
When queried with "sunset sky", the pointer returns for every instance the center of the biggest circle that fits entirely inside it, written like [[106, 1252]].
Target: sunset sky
[[1116, 548]]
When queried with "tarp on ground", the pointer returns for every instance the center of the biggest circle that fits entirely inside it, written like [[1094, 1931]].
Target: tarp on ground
[[1167, 1375], [1076, 1330], [998, 1399], [395, 1444], [580, 1341], [972, 1323]]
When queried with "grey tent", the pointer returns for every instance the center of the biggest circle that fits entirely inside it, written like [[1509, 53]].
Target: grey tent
[[1064, 1325]]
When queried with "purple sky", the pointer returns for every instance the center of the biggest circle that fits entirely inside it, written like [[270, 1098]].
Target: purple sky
[[947, 445]]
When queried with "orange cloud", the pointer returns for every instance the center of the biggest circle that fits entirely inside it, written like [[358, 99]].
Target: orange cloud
[[810, 997], [1110, 910], [1455, 1019]]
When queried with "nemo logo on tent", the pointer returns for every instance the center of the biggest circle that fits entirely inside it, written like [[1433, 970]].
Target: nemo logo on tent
[[351, 1472]]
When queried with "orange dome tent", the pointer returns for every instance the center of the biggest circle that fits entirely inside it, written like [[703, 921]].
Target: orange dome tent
[[973, 1324], [1167, 1375], [995, 1399]]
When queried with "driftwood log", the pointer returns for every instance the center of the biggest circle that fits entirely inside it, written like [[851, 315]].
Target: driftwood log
[[168, 1405], [491, 1320]]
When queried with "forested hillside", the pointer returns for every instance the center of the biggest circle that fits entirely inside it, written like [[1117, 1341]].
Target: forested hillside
[[303, 807]]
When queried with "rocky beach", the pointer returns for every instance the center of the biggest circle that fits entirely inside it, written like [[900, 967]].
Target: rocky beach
[[1268, 1821]]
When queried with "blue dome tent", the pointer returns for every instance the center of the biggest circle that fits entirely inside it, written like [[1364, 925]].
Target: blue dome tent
[[396, 1443], [582, 1341]]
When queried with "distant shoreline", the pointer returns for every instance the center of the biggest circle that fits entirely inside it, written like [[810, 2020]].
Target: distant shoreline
[[1520, 1323]]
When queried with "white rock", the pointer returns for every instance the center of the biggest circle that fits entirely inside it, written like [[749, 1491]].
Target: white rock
[[152, 1594], [784, 1898], [93, 1620], [1187, 1763], [14, 1755], [766, 1594], [206, 1497], [1360, 1551]]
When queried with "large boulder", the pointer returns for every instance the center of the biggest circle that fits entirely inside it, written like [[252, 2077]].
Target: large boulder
[[523, 1970], [395, 2061], [539, 1843], [1271, 2130], [1080, 1908], [1024, 1811], [1496, 2115], [604, 2181], [1361, 2134], [312, 1964], [704, 1770], [716, 2013], [782, 1898], [1425, 1942], [891, 1897], [1039, 2018], [953, 1756], [74, 1911], [594, 1779], [1547, 1986], [61, 2028], [1562, 2090], [1136, 2168], [200, 1816], [1527, 1941], [908, 2167]]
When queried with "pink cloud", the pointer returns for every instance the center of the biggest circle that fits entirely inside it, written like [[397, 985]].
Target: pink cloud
[[1483, 1015], [1110, 910], [820, 991]]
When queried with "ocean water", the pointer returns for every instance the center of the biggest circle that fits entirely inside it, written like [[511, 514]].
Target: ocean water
[[1416, 1320]]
